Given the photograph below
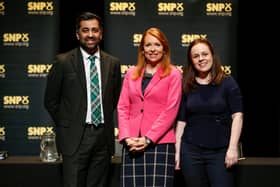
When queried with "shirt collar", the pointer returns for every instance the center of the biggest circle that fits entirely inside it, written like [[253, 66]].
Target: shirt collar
[[86, 55]]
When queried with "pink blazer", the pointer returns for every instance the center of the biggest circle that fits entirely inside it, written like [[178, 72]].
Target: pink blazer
[[153, 113]]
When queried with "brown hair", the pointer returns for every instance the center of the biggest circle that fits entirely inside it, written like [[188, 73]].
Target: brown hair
[[189, 72]]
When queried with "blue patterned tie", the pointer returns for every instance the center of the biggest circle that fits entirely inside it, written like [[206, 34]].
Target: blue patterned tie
[[94, 93]]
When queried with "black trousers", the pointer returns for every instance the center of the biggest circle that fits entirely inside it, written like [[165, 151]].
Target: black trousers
[[89, 166], [203, 167]]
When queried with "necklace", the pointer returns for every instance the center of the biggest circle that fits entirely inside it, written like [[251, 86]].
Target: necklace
[[204, 81], [151, 69]]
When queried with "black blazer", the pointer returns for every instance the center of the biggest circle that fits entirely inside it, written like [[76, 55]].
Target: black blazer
[[66, 97]]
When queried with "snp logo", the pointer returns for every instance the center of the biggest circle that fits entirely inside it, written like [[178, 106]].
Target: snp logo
[[186, 39], [2, 8], [137, 39], [219, 9], [2, 133], [172, 9], [2, 71], [35, 132], [122, 8], [40, 6], [38, 131], [16, 39], [16, 102], [38, 70], [227, 69]]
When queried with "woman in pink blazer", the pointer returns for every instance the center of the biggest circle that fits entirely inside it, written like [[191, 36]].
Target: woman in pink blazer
[[147, 109]]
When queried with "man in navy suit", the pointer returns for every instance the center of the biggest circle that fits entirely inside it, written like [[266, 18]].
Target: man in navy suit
[[86, 147]]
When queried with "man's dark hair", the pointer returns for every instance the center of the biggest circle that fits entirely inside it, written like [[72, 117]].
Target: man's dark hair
[[88, 16]]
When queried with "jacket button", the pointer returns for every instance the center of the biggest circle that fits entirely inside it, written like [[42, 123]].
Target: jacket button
[[141, 110], [142, 99]]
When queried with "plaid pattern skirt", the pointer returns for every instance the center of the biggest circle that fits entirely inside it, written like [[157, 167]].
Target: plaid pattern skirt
[[152, 168]]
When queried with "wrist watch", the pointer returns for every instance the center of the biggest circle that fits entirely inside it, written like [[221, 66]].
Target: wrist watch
[[148, 141]]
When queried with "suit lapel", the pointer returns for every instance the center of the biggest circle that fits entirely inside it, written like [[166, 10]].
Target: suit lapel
[[138, 85], [105, 70], [78, 64]]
